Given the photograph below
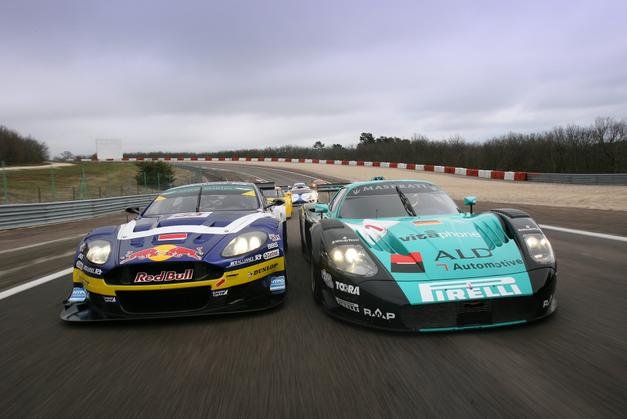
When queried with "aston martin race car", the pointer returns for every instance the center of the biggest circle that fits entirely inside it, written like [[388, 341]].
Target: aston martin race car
[[199, 249], [302, 194], [399, 255]]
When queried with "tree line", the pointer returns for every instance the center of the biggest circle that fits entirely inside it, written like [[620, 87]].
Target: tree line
[[598, 148], [17, 149]]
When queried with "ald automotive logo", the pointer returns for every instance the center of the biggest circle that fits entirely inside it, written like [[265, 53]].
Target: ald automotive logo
[[468, 289]]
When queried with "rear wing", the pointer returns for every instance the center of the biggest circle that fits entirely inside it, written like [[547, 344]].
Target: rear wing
[[265, 185], [330, 187]]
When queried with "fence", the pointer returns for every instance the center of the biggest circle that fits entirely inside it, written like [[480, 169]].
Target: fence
[[25, 215]]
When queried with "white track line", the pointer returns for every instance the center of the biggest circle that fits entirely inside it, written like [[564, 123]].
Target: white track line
[[34, 283], [585, 233], [30, 246]]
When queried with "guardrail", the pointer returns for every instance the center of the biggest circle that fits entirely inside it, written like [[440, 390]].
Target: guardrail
[[580, 178], [26, 215]]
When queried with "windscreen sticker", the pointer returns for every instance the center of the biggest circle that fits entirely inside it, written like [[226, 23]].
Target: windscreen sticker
[[160, 198], [249, 193], [189, 215], [390, 188]]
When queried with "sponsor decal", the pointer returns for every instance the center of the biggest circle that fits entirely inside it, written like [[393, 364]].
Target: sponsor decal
[[78, 295], [347, 305], [528, 228], [220, 282], [277, 283], [263, 269], [426, 222], [271, 254], [171, 236], [468, 289], [82, 246], [273, 245], [164, 276], [344, 240], [274, 237], [249, 259], [431, 234], [327, 278], [411, 263], [189, 215], [475, 253], [386, 188], [108, 299], [485, 265], [162, 252], [80, 256], [347, 288], [220, 293], [89, 269], [249, 193], [378, 313]]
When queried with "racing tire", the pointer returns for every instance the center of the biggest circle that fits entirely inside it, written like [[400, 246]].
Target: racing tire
[[303, 244], [316, 291], [285, 237]]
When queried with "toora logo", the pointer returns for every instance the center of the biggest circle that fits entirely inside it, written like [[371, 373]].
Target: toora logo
[[349, 289]]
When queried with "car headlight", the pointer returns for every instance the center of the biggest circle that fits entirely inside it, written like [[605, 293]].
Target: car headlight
[[294, 198], [539, 247], [98, 251], [245, 243], [352, 259]]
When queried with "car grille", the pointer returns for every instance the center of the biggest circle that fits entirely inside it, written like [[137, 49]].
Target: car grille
[[469, 313], [186, 299], [126, 275]]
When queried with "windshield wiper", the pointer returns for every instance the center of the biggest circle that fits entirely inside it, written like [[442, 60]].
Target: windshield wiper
[[406, 203]]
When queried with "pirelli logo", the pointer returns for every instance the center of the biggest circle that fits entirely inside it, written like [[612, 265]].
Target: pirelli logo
[[468, 289]]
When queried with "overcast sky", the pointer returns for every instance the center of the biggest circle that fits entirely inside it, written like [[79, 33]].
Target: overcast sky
[[207, 76]]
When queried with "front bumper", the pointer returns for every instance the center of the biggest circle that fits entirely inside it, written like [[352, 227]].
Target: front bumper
[[94, 300], [381, 304]]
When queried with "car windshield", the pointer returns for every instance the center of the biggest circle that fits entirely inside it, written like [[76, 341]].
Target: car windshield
[[220, 197], [383, 200]]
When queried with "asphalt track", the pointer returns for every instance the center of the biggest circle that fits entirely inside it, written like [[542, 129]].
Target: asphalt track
[[297, 361]]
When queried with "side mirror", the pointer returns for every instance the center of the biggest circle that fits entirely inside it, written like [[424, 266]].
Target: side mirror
[[275, 202], [133, 210], [321, 208], [470, 201]]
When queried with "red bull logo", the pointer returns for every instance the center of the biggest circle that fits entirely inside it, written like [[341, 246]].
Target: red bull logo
[[162, 252], [165, 276]]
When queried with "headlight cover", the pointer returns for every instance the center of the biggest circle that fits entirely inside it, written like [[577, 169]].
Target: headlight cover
[[539, 248], [352, 259], [245, 243], [98, 251]]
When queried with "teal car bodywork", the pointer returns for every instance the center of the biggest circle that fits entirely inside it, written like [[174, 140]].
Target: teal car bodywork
[[469, 266]]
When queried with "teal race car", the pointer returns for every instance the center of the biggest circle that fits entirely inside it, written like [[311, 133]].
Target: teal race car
[[400, 255]]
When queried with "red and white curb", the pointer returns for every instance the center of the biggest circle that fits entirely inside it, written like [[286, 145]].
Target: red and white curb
[[460, 171]]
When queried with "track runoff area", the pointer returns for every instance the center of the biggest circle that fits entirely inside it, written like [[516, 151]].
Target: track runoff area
[[298, 360]]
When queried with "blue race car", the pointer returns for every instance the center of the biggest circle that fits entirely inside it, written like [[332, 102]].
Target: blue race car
[[199, 249], [399, 255]]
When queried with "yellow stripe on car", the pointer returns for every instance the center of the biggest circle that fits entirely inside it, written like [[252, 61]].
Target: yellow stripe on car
[[227, 280]]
